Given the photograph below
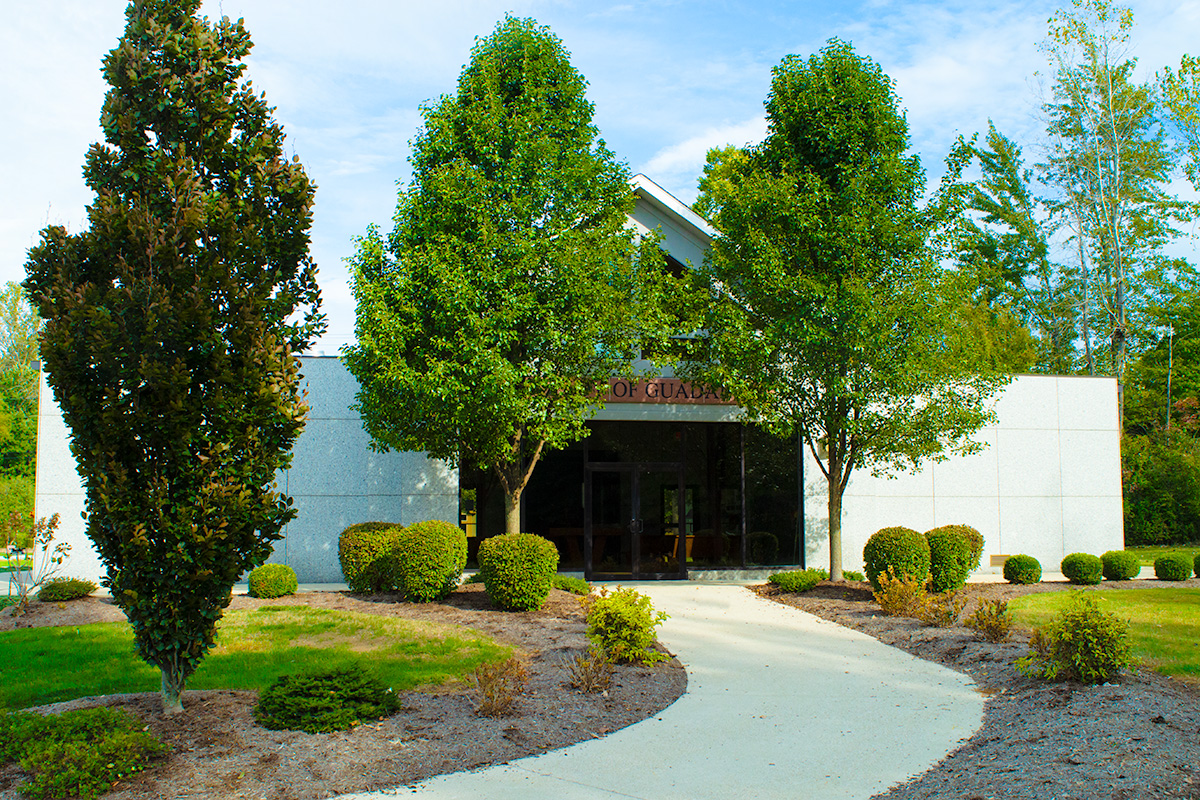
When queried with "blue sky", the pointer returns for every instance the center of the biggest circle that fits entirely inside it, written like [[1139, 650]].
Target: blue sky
[[668, 79]]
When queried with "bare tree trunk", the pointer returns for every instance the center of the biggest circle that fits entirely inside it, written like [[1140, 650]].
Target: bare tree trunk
[[835, 526]]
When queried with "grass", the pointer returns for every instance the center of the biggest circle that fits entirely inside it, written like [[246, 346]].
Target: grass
[[1147, 554], [49, 665], [9, 565], [1164, 624]]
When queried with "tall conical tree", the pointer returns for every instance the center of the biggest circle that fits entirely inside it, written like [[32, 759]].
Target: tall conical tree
[[172, 325]]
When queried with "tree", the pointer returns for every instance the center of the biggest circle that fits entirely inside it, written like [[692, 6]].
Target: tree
[[19, 328], [172, 325], [491, 319], [832, 316]]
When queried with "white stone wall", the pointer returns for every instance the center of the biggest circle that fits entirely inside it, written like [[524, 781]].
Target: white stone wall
[[335, 480], [1047, 484]]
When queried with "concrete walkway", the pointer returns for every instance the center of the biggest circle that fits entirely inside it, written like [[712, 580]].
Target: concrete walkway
[[779, 704]]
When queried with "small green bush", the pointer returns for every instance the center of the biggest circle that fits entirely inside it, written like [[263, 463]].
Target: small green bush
[[950, 559], [329, 700], [622, 623], [62, 589], [991, 620], [974, 541], [900, 597], [1022, 569], [569, 583], [1082, 643], [77, 753], [761, 547], [272, 580], [518, 570], [853, 575], [365, 553], [1083, 569], [429, 558], [797, 580], [1196, 565], [1173, 567], [901, 550], [1120, 565]]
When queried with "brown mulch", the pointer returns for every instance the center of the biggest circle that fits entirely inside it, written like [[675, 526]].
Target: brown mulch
[[1136, 737], [219, 751]]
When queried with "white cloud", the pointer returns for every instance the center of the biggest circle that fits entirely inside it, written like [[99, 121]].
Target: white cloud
[[678, 167]]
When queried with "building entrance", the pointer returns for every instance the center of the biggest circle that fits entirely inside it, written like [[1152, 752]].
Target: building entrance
[[634, 516]]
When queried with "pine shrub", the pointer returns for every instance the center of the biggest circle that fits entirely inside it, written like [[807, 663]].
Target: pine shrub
[[1022, 569], [429, 558], [62, 589], [797, 580], [1173, 567], [324, 701], [1082, 569], [273, 580], [1120, 565], [365, 554], [950, 559], [903, 551], [622, 623], [518, 570], [1082, 643]]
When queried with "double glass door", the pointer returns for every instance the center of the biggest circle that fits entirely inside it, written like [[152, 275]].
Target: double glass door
[[635, 520]]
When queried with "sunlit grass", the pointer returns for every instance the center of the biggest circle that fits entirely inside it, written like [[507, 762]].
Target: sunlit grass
[[1164, 624], [1147, 554], [48, 665]]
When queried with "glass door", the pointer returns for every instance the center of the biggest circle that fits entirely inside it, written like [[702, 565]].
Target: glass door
[[635, 521]]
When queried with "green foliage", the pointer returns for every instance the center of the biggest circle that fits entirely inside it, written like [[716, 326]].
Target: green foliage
[[991, 620], [1173, 567], [1022, 569], [942, 609], [61, 589], [365, 553], [511, 290], [429, 558], [273, 580], [173, 324], [902, 596], [1083, 643], [16, 509], [1083, 569], [798, 580], [569, 583], [831, 312], [518, 570], [973, 538], [852, 575], [1120, 565], [77, 753], [621, 623], [1196, 566], [320, 702], [901, 550], [950, 559], [1161, 482]]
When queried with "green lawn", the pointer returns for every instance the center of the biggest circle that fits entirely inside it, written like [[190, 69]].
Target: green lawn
[[48, 665], [1164, 624], [1148, 554]]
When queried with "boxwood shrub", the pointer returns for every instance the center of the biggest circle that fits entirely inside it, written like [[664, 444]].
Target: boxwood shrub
[[273, 580], [902, 550], [518, 570], [1022, 569], [950, 559], [1083, 569], [1120, 565], [974, 541], [365, 553], [1173, 567], [429, 558]]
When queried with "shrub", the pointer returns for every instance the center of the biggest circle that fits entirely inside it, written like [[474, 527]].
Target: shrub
[[569, 583], [949, 559], [941, 610], [901, 550], [992, 620], [429, 558], [1196, 565], [797, 580], [761, 547], [1120, 565], [852, 575], [1022, 569], [1173, 567], [974, 540], [1083, 569], [323, 701], [590, 672], [61, 589], [365, 553], [273, 580], [499, 685], [77, 753], [622, 623], [518, 570], [900, 597], [1082, 643]]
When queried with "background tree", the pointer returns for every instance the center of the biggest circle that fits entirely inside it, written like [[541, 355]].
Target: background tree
[[832, 316], [19, 325], [491, 319], [172, 324]]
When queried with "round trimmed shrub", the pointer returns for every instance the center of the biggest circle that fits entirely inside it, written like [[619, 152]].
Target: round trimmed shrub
[[974, 541], [58, 590], [1173, 567], [1082, 569], [902, 550], [1022, 569], [1120, 565], [950, 559], [365, 553], [518, 570], [273, 580], [429, 558]]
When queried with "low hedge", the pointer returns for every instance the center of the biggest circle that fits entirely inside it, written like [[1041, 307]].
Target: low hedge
[[429, 558], [1120, 565], [1082, 569], [59, 590], [273, 580], [1173, 567], [365, 554], [902, 550], [1022, 569], [518, 570]]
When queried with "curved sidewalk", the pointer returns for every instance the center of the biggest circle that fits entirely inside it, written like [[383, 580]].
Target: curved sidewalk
[[779, 704]]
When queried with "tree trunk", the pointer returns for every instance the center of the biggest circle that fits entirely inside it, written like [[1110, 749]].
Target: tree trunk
[[835, 526], [512, 509], [172, 689]]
